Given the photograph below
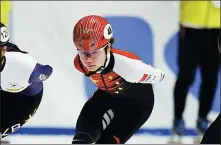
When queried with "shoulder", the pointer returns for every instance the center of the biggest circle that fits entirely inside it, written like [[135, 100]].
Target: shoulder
[[21, 59], [124, 61], [123, 53], [19, 66]]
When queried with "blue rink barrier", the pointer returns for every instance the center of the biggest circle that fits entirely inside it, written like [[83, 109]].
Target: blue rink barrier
[[69, 131]]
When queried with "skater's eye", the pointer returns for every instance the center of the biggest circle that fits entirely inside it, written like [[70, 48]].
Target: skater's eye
[[93, 52]]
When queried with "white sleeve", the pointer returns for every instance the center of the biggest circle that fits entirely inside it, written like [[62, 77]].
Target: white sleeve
[[135, 71]]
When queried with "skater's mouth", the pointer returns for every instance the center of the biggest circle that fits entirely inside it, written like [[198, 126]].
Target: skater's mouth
[[91, 65]]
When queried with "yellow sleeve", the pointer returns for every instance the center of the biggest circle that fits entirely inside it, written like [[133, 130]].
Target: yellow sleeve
[[5, 11]]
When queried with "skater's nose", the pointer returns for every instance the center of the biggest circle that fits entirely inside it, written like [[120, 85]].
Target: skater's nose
[[89, 60]]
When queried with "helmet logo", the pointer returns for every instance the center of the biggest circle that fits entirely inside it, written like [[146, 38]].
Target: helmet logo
[[4, 34], [108, 33], [86, 31]]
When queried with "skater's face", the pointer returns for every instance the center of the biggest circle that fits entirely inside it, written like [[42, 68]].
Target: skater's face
[[94, 59]]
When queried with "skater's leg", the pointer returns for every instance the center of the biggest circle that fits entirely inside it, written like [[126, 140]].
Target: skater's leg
[[89, 123], [127, 120], [210, 62], [123, 127], [187, 63]]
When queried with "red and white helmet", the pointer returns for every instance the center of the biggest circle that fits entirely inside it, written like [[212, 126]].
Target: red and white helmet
[[92, 32]]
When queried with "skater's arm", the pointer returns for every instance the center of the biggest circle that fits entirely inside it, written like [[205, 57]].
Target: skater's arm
[[40, 73], [135, 71]]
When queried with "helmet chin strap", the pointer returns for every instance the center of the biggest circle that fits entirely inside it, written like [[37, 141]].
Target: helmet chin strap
[[107, 59]]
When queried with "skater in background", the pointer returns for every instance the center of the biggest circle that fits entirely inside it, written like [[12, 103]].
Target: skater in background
[[199, 30], [124, 99], [21, 86]]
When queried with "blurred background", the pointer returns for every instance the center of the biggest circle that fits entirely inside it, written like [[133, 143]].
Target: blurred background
[[150, 29]]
